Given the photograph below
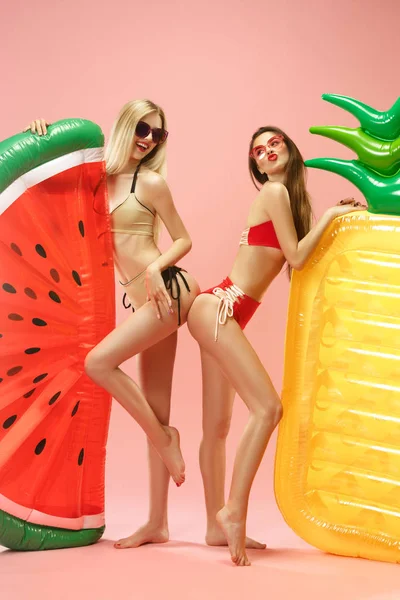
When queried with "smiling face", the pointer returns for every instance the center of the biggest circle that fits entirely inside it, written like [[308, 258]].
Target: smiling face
[[270, 153], [142, 146]]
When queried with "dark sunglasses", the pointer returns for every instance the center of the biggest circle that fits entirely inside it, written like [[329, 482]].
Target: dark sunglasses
[[158, 134]]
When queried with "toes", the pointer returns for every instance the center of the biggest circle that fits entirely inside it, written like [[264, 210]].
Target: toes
[[259, 546], [243, 561], [121, 544]]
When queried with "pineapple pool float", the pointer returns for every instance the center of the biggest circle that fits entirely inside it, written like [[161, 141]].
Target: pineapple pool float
[[56, 303], [337, 472]]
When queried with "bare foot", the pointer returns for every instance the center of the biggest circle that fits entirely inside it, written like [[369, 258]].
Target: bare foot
[[172, 456], [235, 534], [215, 537], [148, 534]]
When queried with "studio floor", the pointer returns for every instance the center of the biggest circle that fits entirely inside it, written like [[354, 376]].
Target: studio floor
[[186, 569]]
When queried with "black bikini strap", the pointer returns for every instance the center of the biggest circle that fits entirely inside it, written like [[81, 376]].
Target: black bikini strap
[[135, 179], [135, 176]]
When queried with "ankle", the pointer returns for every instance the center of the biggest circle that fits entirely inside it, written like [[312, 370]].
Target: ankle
[[212, 524], [237, 512], [156, 522]]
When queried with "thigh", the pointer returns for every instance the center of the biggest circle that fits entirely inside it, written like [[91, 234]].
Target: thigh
[[218, 396], [155, 371], [140, 331], [233, 352]]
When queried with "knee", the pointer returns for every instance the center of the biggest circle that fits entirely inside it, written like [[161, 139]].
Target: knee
[[269, 414], [278, 413], [218, 430], [94, 366]]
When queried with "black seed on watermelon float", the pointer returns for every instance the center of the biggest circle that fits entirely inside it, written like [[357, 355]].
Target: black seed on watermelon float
[[14, 371], [15, 317], [54, 398], [1, 379], [1, 335], [16, 249], [81, 456], [32, 350], [54, 274], [29, 394], [10, 421], [81, 228], [76, 277], [7, 287], [39, 322], [40, 447], [29, 292], [75, 409], [40, 250], [55, 297], [40, 378]]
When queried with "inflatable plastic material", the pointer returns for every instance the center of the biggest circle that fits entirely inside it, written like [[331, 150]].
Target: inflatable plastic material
[[56, 303], [337, 476]]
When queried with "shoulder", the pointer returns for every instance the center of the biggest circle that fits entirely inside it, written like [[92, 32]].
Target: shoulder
[[153, 182], [274, 191]]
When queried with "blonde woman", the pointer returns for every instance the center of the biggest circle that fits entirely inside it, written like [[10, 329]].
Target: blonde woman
[[160, 294]]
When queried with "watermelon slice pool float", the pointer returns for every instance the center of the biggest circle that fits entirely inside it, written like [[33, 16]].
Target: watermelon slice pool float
[[56, 303]]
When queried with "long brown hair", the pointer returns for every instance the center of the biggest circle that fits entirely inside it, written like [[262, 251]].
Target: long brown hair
[[295, 182]]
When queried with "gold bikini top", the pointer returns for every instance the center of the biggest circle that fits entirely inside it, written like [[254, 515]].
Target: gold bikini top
[[132, 216]]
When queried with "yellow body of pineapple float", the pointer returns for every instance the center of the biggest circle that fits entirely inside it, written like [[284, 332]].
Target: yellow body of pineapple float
[[337, 477]]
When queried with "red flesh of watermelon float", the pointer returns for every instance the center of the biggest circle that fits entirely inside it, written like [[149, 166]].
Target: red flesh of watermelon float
[[56, 303]]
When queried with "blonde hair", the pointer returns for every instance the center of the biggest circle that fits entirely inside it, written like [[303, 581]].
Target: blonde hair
[[120, 145]]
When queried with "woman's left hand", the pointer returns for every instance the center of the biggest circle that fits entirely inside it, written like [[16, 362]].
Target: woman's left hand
[[157, 292]]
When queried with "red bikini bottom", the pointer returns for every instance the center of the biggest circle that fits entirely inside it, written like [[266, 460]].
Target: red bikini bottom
[[233, 302]]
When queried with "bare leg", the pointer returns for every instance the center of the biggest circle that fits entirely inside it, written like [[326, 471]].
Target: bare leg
[[137, 333], [159, 358], [246, 374], [218, 396]]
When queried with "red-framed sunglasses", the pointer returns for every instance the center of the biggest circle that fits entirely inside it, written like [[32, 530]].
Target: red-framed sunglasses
[[158, 134], [274, 143]]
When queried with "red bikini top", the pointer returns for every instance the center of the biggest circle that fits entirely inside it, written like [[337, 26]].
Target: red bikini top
[[260, 235]]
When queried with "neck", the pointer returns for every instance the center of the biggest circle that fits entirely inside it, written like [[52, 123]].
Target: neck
[[280, 177], [130, 166]]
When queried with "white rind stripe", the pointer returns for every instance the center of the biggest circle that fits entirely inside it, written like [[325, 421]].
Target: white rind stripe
[[53, 167], [45, 520]]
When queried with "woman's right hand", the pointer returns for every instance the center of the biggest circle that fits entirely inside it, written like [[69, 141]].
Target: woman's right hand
[[38, 126], [345, 206]]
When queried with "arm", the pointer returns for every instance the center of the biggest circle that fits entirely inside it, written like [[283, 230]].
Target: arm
[[157, 191], [277, 204], [162, 201]]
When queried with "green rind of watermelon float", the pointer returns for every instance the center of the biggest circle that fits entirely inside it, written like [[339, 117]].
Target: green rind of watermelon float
[[56, 303]]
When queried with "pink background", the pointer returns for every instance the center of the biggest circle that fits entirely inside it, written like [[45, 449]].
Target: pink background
[[220, 70]]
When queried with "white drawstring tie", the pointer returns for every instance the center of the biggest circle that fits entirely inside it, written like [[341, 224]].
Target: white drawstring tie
[[227, 299]]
